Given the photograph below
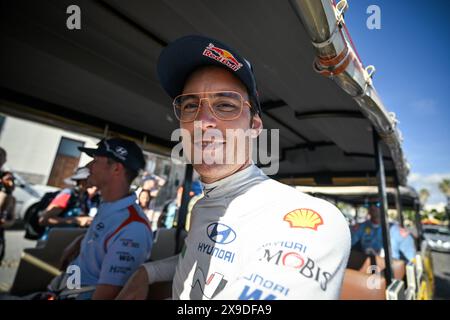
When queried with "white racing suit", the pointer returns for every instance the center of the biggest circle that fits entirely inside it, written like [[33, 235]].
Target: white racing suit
[[252, 237]]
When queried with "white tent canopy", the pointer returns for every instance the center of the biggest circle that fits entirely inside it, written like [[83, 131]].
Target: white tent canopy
[[102, 77]]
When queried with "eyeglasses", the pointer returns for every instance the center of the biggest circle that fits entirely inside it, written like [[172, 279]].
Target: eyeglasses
[[224, 105], [377, 204]]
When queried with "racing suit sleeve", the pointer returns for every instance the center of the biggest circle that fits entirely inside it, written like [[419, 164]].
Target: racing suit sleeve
[[307, 264], [125, 252], [161, 270], [62, 199]]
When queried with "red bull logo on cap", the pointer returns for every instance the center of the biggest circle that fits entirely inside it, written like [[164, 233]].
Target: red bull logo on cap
[[223, 56]]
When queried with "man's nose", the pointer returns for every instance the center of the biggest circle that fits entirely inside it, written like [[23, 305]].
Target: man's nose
[[205, 115], [89, 165]]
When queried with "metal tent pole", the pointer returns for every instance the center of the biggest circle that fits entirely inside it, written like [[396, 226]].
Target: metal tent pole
[[418, 223], [383, 208], [398, 204]]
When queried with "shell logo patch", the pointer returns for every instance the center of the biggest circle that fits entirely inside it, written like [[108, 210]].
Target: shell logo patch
[[304, 218]]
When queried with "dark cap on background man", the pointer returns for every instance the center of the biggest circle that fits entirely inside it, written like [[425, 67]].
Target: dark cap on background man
[[124, 151], [81, 173], [183, 56]]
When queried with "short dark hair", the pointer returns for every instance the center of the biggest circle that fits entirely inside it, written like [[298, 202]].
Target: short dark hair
[[5, 173], [145, 191], [253, 111], [130, 174]]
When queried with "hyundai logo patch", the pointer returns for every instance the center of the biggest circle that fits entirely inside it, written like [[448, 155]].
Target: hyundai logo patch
[[220, 233], [122, 151]]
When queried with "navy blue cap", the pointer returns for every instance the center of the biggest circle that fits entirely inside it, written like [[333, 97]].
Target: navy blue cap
[[186, 54], [121, 150]]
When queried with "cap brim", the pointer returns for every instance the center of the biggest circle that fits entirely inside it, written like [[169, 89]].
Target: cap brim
[[69, 182], [78, 177], [91, 152], [94, 152]]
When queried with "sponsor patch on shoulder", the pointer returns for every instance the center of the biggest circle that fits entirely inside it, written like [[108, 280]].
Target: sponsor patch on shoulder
[[304, 218]]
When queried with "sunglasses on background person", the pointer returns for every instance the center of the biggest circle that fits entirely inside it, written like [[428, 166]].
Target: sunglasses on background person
[[376, 204]]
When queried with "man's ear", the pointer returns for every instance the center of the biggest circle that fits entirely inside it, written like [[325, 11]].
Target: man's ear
[[118, 167], [256, 126]]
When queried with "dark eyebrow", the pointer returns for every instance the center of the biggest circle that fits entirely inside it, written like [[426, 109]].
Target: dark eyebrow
[[189, 96], [223, 94]]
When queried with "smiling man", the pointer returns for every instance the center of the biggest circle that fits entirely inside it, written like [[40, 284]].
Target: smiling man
[[119, 238], [250, 237]]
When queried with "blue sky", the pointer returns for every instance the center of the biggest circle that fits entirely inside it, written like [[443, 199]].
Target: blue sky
[[411, 53]]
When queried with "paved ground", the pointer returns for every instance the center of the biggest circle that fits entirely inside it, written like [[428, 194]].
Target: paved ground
[[441, 266], [15, 242]]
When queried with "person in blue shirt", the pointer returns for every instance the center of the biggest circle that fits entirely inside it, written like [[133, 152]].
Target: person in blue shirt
[[170, 214], [119, 238], [402, 243], [368, 238]]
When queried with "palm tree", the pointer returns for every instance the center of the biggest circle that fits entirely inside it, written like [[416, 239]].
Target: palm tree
[[444, 186], [424, 194]]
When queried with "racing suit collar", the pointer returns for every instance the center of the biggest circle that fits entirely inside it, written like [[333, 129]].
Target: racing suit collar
[[231, 184], [119, 204]]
